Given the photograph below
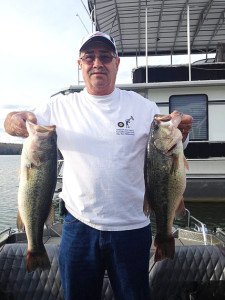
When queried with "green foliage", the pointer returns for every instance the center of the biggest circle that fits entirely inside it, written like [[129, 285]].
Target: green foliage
[[10, 149]]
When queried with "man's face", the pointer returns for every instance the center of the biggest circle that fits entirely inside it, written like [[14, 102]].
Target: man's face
[[98, 76]]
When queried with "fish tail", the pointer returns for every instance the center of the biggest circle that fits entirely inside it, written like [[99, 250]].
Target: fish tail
[[164, 248], [37, 260]]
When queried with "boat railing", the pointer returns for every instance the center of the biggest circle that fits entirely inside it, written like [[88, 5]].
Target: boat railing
[[4, 234], [199, 226], [9, 230], [220, 234], [59, 169]]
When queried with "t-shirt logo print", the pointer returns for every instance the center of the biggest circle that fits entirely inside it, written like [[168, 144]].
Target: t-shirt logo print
[[128, 121], [120, 124], [125, 131]]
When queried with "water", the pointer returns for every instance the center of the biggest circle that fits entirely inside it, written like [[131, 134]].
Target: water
[[212, 214], [9, 182]]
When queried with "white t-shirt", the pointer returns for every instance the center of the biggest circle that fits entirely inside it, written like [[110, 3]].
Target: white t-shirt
[[102, 140]]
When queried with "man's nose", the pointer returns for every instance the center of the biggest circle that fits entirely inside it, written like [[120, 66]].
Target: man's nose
[[97, 62]]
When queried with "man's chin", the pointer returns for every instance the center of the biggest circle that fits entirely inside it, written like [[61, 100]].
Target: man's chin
[[99, 81]]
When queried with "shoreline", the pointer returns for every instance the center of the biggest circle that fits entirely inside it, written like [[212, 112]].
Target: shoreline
[[10, 149]]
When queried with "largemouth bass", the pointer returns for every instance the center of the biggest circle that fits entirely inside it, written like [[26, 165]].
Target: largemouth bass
[[165, 180], [38, 175]]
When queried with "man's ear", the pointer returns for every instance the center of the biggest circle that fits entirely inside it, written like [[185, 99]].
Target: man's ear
[[117, 62], [79, 61]]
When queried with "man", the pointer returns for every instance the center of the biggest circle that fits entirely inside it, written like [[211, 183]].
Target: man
[[103, 181]]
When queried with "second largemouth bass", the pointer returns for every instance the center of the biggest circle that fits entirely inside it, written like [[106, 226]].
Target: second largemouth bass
[[165, 180]]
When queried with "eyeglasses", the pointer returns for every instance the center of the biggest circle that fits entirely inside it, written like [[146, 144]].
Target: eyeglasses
[[104, 58]]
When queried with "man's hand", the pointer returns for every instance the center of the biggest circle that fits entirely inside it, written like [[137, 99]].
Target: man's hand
[[15, 123], [185, 125]]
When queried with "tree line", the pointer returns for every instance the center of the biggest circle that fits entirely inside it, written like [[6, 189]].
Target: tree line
[[10, 149]]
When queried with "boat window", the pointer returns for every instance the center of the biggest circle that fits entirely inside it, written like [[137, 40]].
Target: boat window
[[196, 106]]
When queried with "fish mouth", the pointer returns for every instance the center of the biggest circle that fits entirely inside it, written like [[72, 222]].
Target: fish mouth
[[40, 128], [172, 119], [40, 131], [172, 148], [163, 118], [43, 129], [167, 118]]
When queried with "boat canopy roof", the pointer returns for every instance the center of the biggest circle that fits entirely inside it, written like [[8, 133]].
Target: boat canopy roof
[[166, 23]]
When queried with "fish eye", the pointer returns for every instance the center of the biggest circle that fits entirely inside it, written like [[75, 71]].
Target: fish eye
[[156, 126]]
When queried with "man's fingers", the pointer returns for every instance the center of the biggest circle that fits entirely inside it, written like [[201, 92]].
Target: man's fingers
[[18, 125], [15, 123], [186, 119], [31, 117], [186, 126]]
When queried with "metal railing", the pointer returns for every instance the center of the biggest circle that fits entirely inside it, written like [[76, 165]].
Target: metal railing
[[202, 228], [9, 230], [59, 168]]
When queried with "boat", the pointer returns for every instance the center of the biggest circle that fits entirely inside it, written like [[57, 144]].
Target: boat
[[155, 28], [198, 269]]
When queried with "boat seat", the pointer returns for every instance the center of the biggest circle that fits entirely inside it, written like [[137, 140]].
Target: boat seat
[[196, 272], [16, 283]]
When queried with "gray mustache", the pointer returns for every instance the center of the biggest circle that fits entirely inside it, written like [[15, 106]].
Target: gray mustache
[[101, 71]]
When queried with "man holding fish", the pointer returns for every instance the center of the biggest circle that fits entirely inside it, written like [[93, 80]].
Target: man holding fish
[[105, 227]]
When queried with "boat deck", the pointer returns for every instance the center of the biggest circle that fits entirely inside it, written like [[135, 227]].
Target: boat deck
[[179, 240], [183, 237]]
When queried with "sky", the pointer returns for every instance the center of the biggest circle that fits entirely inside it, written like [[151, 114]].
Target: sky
[[39, 50]]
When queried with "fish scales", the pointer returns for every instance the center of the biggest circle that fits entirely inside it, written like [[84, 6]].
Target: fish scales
[[165, 180], [38, 175]]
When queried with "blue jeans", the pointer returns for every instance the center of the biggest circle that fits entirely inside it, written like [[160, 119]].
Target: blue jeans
[[85, 254]]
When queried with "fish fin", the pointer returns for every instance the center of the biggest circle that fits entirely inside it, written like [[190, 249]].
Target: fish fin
[[19, 222], [29, 169], [146, 207], [180, 211], [37, 260], [174, 164], [165, 248], [186, 163], [51, 217]]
